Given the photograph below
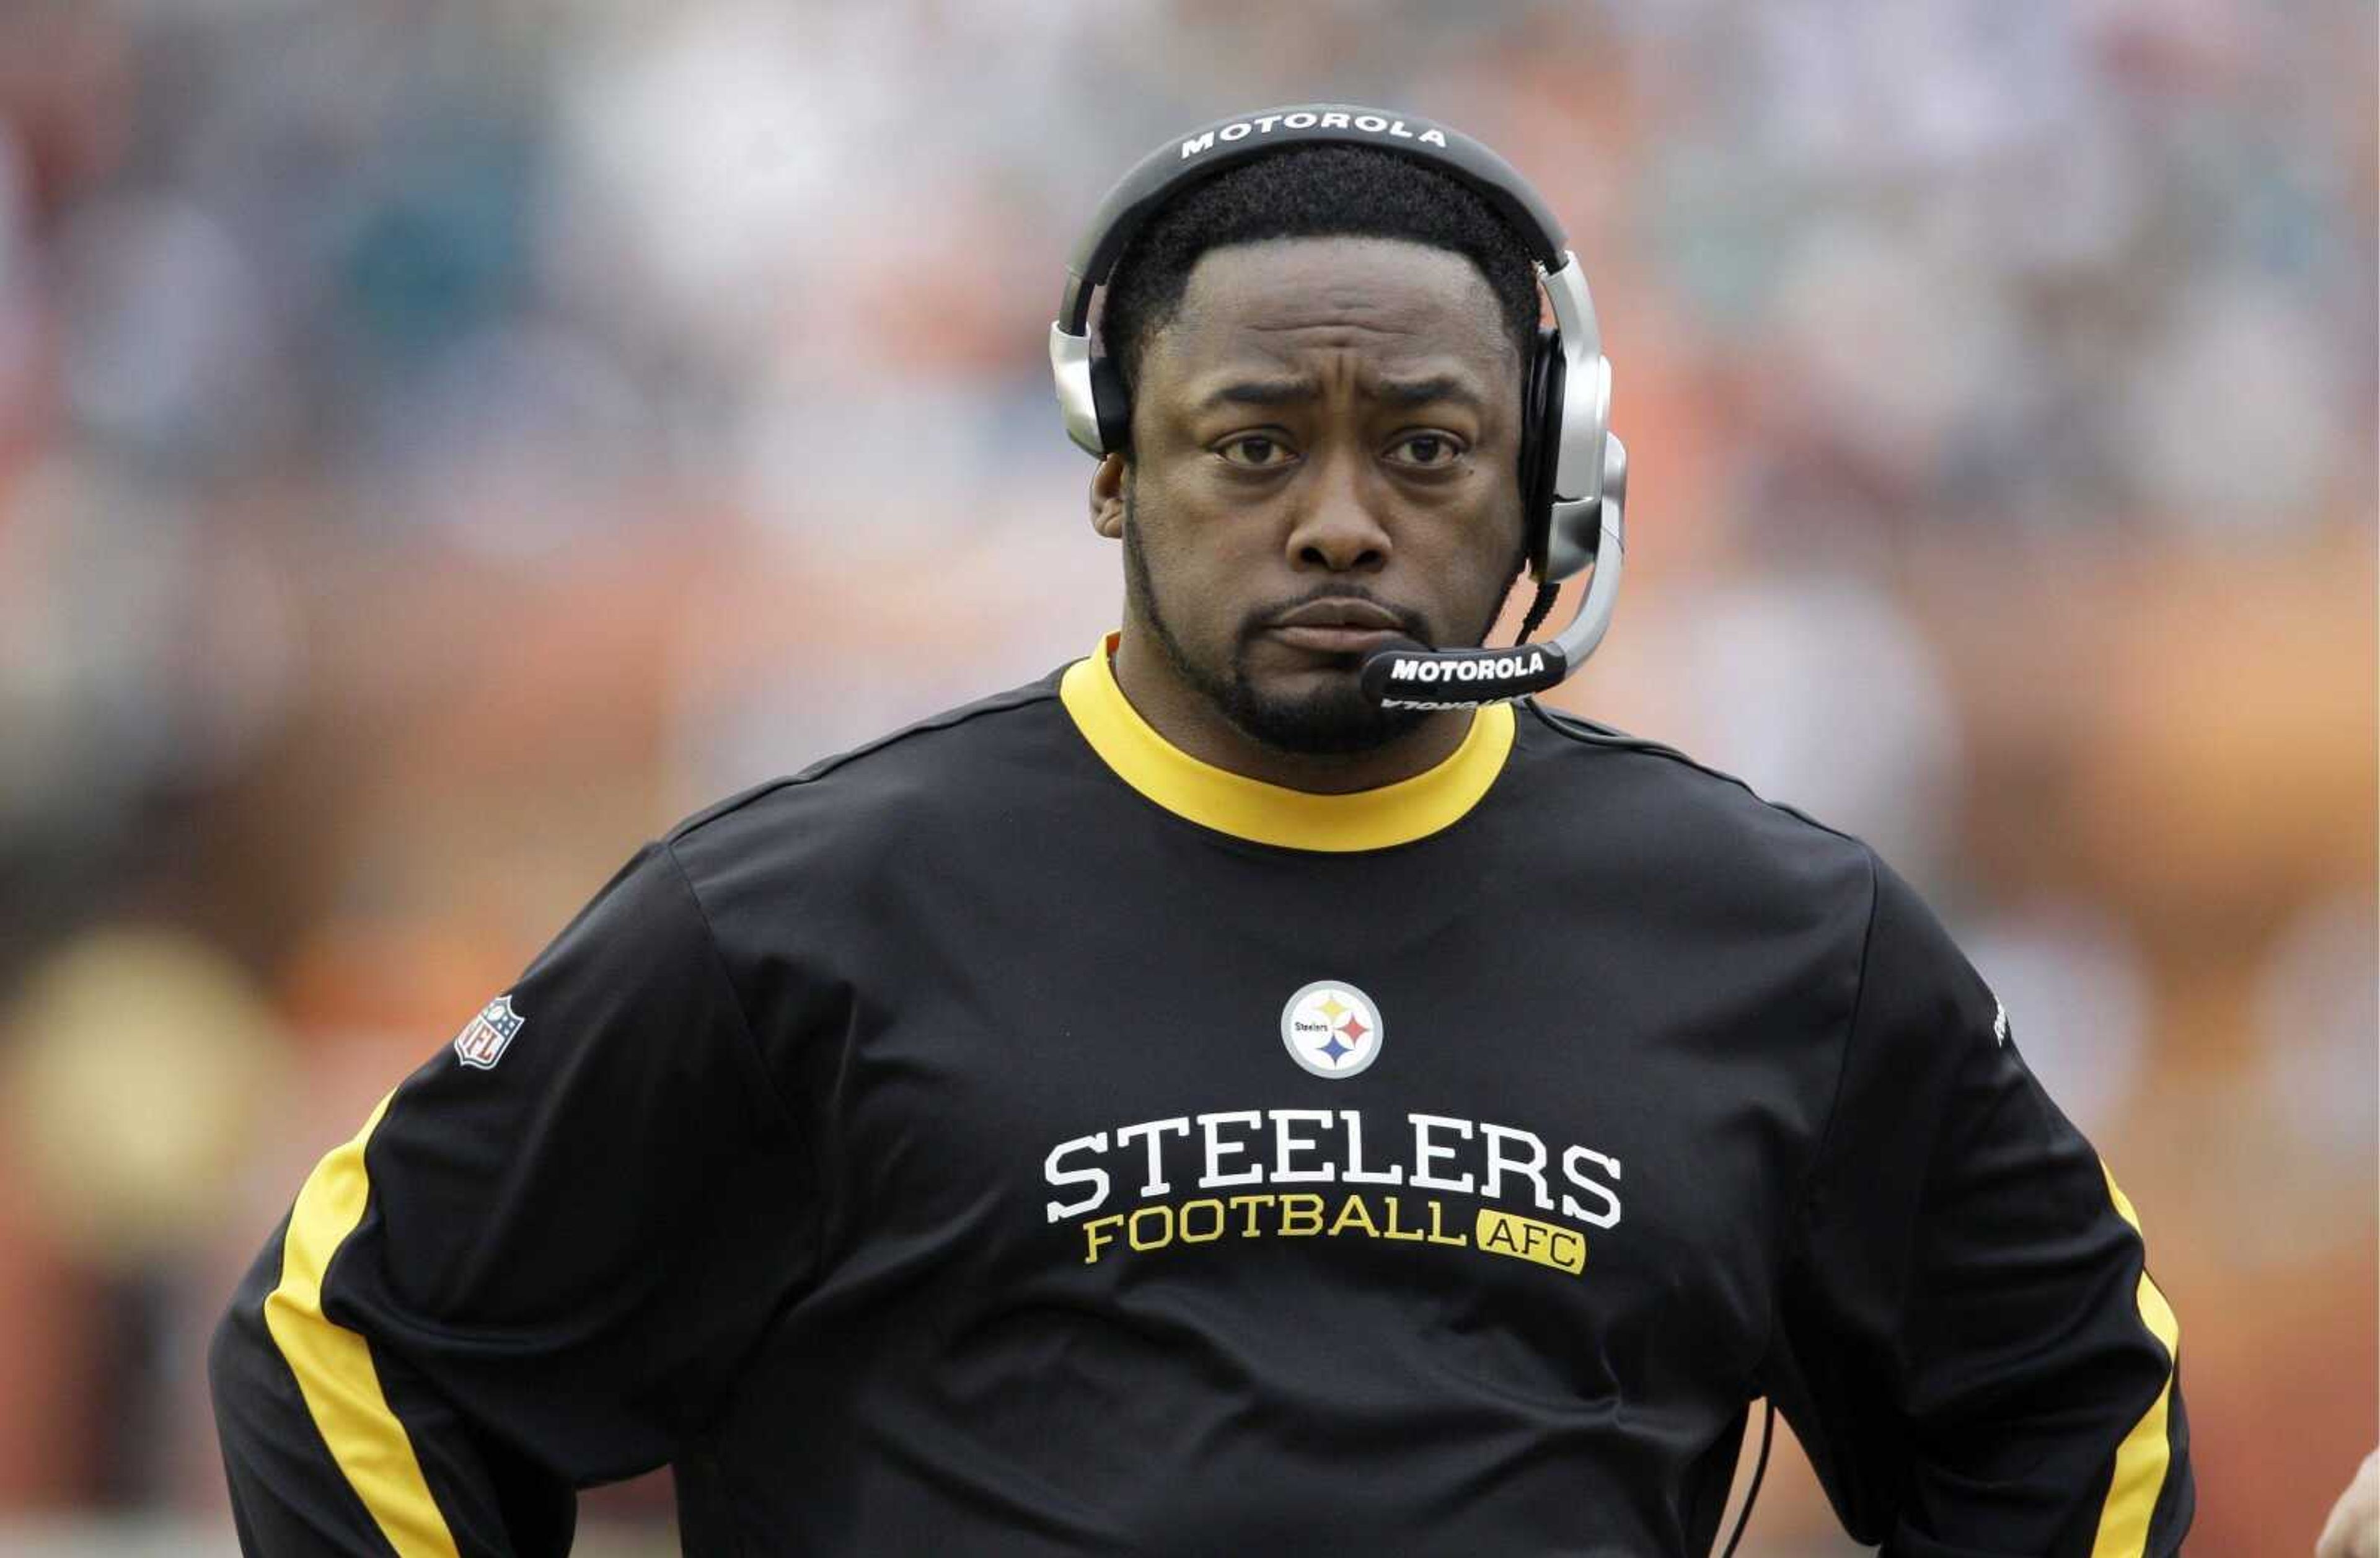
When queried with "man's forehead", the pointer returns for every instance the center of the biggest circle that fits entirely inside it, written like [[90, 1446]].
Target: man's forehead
[[1279, 380], [1419, 310]]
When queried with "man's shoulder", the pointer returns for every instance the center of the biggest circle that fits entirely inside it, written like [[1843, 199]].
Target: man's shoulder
[[961, 755], [1636, 795]]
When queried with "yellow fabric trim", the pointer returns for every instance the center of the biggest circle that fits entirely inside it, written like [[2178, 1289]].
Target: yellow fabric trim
[[334, 1368], [1250, 809], [2142, 1459]]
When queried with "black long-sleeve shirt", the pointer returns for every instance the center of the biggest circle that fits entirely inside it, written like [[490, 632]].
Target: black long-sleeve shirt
[[1018, 1137]]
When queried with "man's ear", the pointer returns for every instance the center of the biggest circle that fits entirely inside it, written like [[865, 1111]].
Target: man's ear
[[1107, 496]]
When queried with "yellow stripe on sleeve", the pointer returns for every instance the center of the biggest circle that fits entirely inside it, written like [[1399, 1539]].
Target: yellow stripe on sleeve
[[335, 1367], [2142, 1459]]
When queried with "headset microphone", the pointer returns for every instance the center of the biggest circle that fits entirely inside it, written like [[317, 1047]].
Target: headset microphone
[[1465, 678]]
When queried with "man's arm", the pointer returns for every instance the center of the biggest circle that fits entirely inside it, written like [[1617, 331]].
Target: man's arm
[[2353, 1528], [536, 1265], [1969, 1343]]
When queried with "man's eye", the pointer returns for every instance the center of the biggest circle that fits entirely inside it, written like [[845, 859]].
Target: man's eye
[[1430, 451], [1254, 451]]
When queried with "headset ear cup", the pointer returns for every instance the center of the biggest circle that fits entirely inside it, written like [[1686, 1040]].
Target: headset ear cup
[[1113, 406], [1541, 425]]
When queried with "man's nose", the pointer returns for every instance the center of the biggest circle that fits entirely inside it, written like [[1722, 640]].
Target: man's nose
[[1337, 528]]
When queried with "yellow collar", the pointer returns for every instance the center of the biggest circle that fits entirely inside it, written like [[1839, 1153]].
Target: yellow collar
[[1250, 809]]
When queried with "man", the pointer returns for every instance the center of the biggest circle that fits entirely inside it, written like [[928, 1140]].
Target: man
[[2353, 1528], [1184, 1106]]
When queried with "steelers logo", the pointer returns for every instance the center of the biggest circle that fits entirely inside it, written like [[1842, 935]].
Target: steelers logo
[[1331, 1029]]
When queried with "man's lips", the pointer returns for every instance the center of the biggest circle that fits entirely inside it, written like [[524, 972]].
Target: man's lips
[[1338, 626]]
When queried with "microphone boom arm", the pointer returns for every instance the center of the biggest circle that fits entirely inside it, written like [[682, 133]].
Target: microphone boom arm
[[1467, 678]]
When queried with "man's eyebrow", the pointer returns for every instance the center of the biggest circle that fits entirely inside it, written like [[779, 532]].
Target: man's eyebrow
[[1421, 392], [1261, 392]]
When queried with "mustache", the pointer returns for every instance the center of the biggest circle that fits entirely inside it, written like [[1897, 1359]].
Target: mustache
[[1412, 623]]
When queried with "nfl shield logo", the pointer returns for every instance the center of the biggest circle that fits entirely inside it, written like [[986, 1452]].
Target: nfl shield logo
[[483, 1040]]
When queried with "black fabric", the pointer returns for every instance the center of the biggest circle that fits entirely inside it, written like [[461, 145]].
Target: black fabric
[[812, 1170], [1111, 403], [1541, 421]]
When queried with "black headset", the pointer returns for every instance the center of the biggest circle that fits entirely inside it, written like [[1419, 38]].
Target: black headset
[[1573, 472]]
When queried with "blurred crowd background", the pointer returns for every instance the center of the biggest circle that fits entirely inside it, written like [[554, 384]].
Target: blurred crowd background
[[442, 444]]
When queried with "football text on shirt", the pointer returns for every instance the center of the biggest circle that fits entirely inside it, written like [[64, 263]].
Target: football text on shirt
[[1240, 1149]]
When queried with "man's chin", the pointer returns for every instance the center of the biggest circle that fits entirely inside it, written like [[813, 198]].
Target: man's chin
[[1316, 714]]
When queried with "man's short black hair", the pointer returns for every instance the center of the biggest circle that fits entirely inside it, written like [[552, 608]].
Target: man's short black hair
[[1316, 191]]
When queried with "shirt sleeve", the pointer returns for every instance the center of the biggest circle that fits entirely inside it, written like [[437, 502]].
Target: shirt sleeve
[[1969, 1343], [535, 1267]]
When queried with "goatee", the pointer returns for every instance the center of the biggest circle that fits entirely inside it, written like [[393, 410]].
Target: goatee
[[1334, 718]]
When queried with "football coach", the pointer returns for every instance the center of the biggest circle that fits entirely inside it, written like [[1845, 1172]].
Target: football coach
[[1270, 1086]]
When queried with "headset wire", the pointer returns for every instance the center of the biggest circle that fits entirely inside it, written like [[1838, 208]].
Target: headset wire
[[1759, 1471]]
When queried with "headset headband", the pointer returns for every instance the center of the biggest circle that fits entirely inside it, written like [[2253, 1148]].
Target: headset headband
[[1211, 148]]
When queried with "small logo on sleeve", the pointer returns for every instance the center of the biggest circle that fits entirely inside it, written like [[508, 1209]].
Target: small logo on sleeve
[[2000, 1022], [1331, 1029], [482, 1042]]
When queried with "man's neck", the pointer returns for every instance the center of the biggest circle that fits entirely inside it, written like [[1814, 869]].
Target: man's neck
[[1190, 722]]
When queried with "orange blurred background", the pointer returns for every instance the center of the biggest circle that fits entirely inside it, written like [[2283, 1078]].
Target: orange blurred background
[[441, 445]]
